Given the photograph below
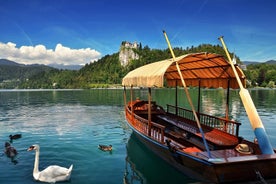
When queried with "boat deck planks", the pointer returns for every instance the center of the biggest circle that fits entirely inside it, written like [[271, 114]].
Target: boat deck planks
[[225, 154]]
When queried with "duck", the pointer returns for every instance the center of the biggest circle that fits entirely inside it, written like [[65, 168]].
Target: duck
[[105, 147], [10, 151], [15, 136], [52, 173]]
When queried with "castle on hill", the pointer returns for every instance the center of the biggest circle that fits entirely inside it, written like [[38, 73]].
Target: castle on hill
[[126, 53]]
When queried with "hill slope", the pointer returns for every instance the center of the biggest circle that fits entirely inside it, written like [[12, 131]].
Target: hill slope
[[8, 63], [10, 70]]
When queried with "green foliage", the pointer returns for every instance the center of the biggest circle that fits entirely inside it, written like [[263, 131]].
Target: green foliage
[[16, 76], [106, 70], [21, 72], [263, 75]]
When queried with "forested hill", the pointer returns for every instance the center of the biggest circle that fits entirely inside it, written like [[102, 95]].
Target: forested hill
[[12, 73], [108, 71]]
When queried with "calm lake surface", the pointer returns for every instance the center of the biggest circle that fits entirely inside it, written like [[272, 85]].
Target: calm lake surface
[[70, 124]]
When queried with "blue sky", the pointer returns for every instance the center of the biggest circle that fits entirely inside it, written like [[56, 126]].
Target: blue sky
[[79, 32]]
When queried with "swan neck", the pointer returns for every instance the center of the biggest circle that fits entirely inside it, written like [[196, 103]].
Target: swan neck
[[36, 163]]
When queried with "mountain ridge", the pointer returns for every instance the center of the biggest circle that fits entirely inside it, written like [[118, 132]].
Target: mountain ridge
[[7, 62], [273, 62], [10, 70]]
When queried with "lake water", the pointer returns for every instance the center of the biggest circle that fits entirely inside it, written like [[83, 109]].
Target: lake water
[[70, 124]]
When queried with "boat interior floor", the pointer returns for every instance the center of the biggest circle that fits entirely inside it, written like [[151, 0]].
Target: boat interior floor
[[226, 154]]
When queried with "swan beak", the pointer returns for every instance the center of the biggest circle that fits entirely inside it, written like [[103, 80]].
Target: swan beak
[[30, 148]]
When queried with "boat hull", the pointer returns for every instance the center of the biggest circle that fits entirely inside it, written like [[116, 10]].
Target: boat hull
[[251, 169], [181, 163]]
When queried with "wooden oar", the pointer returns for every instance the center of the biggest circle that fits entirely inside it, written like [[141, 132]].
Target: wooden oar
[[251, 111], [188, 95]]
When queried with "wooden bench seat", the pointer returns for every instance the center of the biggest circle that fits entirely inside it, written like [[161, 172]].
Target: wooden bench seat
[[191, 149]]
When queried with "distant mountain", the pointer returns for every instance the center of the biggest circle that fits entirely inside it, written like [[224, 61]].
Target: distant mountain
[[249, 62], [272, 62], [10, 70], [8, 63]]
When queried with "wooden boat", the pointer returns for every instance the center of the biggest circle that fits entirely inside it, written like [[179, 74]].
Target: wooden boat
[[202, 146]]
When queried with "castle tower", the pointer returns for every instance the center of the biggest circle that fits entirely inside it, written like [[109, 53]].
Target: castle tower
[[126, 52]]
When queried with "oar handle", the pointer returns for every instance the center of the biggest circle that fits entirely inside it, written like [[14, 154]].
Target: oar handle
[[188, 95], [231, 63], [169, 44]]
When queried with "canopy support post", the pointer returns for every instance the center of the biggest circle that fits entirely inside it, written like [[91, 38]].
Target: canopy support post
[[131, 102], [227, 101], [176, 98], [149, 111], [125, 103], [198, 97]]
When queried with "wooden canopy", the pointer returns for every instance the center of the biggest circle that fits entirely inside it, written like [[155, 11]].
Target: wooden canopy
[[205, 69]]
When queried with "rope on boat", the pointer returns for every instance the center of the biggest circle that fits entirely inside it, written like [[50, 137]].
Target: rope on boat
[[188, 96]]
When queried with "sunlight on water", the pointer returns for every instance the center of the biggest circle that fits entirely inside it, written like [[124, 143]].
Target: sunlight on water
[[69, 124]]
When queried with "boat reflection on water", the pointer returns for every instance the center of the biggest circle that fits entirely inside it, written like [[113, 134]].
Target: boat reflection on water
[[142, 166]]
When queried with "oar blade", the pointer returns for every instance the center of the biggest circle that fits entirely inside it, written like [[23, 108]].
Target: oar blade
[[256, 122]]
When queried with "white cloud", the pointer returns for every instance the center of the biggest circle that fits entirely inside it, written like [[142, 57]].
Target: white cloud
[[39, 54]]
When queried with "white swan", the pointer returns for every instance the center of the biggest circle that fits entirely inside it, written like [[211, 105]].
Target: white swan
[[52, 173]]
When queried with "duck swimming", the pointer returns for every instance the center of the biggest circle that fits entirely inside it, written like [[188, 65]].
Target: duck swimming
[[105, 147], [10, 151], [52, 173], [15, 136]]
